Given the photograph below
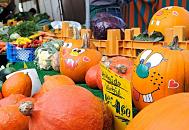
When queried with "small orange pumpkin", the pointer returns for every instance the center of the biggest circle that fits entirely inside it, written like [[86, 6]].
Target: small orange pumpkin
[[77, 61], [66, 108], [167, 18], [159, 72], [12, 119], [90, 77], [169, 113], [19, 83]]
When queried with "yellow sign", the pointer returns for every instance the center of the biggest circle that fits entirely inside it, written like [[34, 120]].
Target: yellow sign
[[117, 94]]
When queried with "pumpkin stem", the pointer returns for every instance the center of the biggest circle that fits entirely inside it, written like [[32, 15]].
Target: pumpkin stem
[[106, 61], [26, 108], [121, 68], [174, 44], [85, 38]]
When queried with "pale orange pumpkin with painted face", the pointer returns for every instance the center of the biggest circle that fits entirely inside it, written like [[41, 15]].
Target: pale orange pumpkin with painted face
[[159, 72], [76, 61], [168, 17]]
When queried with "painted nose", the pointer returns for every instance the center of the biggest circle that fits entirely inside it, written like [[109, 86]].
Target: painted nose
[[142, 71]]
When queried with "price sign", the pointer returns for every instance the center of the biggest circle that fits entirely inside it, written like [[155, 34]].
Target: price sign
[[117, 94]]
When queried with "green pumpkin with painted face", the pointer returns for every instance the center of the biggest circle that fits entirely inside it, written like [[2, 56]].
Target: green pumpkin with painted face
[[159, 72]]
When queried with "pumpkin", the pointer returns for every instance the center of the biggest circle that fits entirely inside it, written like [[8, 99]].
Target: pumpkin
[[122, 66], [66, 108], [12, 119], [11, 100], [1, 96], [167, 18], [159, 72], [90, 77], [169, 113], [75, 62], [99, 78], [51, 82], [18, 83]]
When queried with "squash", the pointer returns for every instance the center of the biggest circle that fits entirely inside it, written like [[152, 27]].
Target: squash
[[90, 77], [159, 72], [12, 119], [51, 82], [168, 17], [122, 66], [169, 113], [66, 108], [11, 100], [19, 83], [75, 62]]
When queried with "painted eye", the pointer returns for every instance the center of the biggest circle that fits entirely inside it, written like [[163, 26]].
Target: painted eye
[[80, 51], [168, 8], [154, 60], [152, 22], [67, 45], [157, 22], [75, 50], [144, 55]]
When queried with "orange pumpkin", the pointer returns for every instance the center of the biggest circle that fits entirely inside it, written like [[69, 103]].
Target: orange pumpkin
[[168, 17], [169, 113], [12, 119], [77, 61], [51, 82], [99, 78], [159, 72], [66, 108], [1, 96], [122, 66], [90, 77], [19, 83], [11, 100]]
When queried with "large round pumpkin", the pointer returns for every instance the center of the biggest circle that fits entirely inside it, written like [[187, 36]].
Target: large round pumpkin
[[66, 108], [77, 61], [168, 17], [12, 119], [159, 72], [169, 113], [19, 83]]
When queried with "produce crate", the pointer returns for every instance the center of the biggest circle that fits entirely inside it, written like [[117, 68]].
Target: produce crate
[[15, 54]]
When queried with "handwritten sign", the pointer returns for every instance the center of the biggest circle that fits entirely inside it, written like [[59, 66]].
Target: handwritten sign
[[117, 94]]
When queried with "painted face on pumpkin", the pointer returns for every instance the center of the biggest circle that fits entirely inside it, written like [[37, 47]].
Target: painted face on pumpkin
[[145, 71], [162, 15], [74, 57]]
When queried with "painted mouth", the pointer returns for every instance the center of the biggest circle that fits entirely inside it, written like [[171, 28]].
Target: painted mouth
[[147, 98], [70, 63]]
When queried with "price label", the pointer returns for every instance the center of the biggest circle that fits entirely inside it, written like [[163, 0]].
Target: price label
[[117, 94]]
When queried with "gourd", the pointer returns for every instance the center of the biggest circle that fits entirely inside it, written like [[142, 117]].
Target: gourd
[[160, 72]]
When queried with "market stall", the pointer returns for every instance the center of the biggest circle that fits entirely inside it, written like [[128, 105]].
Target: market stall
[[62, 75]]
